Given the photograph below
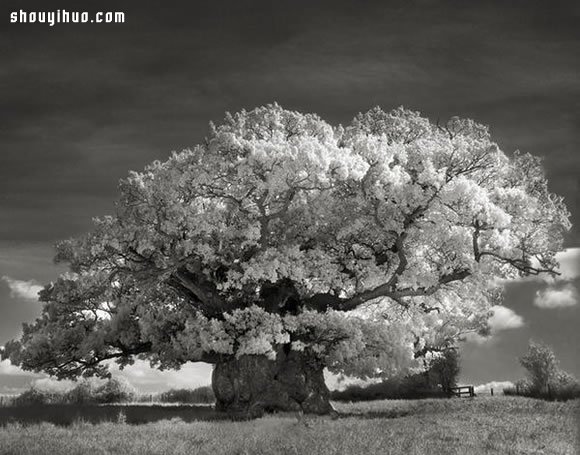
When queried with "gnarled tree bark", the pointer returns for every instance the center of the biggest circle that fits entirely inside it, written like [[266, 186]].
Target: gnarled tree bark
[[252, 384]]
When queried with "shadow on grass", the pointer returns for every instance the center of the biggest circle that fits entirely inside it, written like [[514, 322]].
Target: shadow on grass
[[389, 414], [67, 414], [64, 415]]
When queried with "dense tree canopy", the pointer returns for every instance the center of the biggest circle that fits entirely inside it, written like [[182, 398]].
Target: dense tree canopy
[[366, 246]]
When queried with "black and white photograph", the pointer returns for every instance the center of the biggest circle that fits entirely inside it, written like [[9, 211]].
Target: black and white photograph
[[290, 227]]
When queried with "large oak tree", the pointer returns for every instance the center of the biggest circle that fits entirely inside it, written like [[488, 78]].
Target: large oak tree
[[283, 245]]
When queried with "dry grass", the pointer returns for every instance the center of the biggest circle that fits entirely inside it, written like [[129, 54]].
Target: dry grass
[[500, 425]]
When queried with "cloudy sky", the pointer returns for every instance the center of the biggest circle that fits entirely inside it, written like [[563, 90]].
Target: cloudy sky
[[84, 103]]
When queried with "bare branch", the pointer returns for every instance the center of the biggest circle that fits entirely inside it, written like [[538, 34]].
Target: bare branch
[[520, 264]]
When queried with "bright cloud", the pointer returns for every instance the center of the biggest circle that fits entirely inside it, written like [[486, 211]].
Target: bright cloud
[[7, 369], [553, 297], [504, 318], [569, 269], [569, 260], [341, 381], [560, 291], [23, 289], [140, 375], [147, 379], [53, 385]]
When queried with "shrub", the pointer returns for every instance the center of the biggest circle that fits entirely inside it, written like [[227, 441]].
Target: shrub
[[509, 391], [82, 393], [115, 391], [568, 391], [35, 396], [523, 387], [199, 395]]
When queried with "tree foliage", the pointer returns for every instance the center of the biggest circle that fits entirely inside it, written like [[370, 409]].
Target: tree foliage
[[543, 369], [366, 246], [444, 370], [541, 365]]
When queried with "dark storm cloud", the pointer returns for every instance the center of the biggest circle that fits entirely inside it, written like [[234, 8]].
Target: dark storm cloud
[[83, 104]]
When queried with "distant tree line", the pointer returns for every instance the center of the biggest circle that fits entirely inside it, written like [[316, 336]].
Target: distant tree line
[[198, 395], [85, 392], [111, 391]]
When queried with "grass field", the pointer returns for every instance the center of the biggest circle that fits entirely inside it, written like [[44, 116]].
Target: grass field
[[499, 425]]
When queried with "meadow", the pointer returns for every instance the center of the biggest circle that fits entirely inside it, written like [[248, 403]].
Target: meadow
[[483, 425]]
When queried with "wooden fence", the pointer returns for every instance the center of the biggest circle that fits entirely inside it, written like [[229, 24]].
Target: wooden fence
[[462, 391]]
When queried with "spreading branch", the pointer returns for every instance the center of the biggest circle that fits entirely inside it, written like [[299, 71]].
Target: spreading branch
[[202, 293], [385, 290]]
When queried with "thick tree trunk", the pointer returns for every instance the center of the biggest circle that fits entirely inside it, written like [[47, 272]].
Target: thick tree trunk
[[251, 385]]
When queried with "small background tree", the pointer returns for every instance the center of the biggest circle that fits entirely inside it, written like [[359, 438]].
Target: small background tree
[[545, 378], [541, 365]]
